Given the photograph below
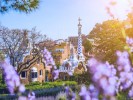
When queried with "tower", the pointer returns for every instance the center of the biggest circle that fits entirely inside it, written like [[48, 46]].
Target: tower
[[79, 49]]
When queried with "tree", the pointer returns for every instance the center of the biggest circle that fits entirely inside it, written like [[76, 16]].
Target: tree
[[15, 43], [34, 37], [18, 5], [129, 30], [87, 45], [107, 38]]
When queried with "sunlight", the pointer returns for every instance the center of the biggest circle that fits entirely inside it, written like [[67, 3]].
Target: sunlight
[[120, 8]]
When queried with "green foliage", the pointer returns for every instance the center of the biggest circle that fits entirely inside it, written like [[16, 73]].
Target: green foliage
[[1, 56], [45, 85], [50, 88], [87, 45], [129, 30], [130, 17], [2, 85], [123, 96], [34, 83], [18, 5], [82, 78], [58, 65], [107, 38]]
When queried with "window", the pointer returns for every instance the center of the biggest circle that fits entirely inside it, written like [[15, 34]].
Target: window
[[34, 74], [23, 74], [41, 72]]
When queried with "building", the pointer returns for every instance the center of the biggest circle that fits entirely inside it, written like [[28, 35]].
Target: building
[[61, 52], [32, 68], [49, 44], [75, 64], [60, 49], [59, 41]]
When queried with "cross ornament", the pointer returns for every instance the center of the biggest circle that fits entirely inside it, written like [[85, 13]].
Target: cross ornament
[[79, 19]]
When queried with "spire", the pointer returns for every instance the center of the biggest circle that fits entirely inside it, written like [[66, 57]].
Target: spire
[[79, 26], [79, 49], [79, 22]]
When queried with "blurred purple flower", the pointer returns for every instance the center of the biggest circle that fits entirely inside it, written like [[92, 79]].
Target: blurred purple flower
[[129, 41], [103, 76], [55, 74], [48, 57], [70, 73], [50, 61], [89, 94], [11, 78], [70, 94], [131, 92], [31, 95], [124, 70], [22, 88]]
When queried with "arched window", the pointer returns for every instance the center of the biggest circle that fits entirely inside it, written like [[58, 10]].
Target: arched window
[[23, 74], [34, 74]]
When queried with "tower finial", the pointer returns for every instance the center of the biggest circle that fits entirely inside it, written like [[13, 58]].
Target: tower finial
[[79, 19], [79, 25]]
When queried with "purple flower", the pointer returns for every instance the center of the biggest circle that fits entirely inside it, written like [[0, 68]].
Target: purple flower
[[22, 88], [131, 92], [11, 78], [50, 61], [103, 76], [31, 95], [70, 73], [89, 94], [83, 91], [124, 70], [129, 41], [70, 94], [55, 74]]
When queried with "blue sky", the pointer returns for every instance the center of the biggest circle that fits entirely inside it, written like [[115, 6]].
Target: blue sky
[[59, 18]]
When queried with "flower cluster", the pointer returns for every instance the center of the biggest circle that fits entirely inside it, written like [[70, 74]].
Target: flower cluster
[[103, 76], [125, 71], [11, 78], [129, 41], [55, 74], [89, 94], [131, 92], [50, 61], [108, 80], [31, 95], [70, 94], [48, 57]]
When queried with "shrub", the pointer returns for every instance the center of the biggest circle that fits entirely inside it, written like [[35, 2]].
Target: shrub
[[45, 85], [34, 83]]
